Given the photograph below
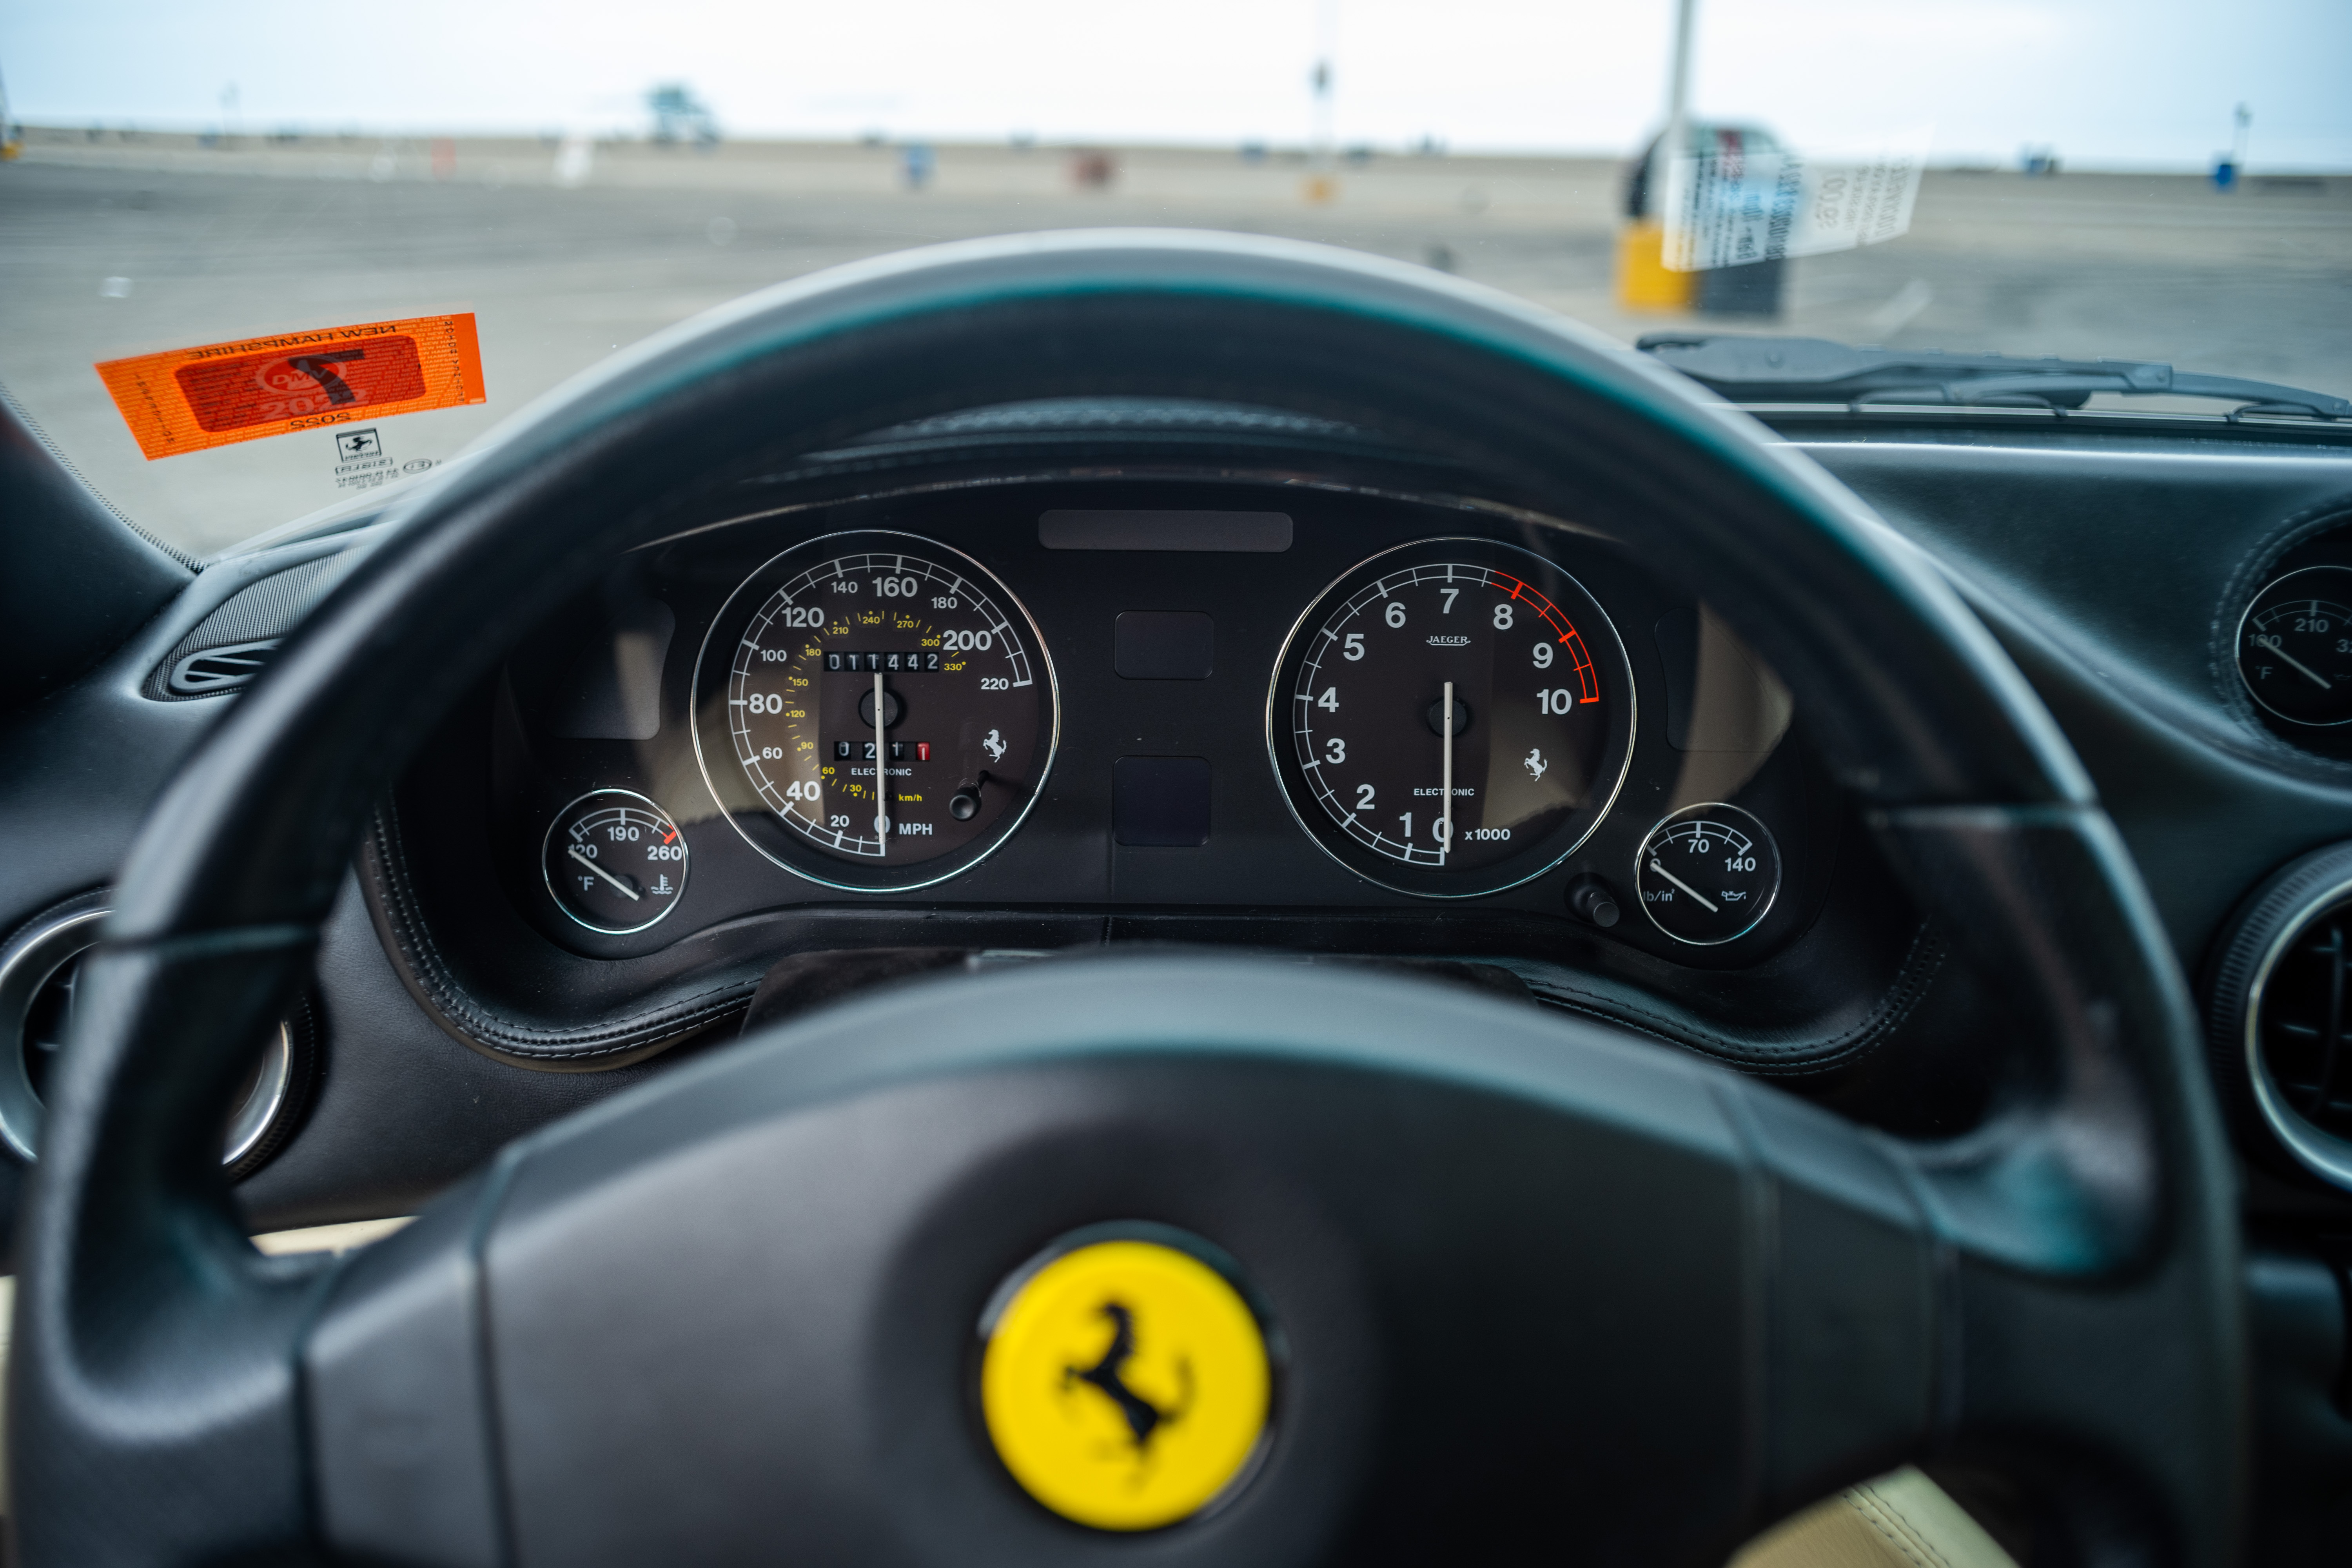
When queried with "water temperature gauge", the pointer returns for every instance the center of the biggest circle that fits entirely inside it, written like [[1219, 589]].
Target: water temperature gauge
[[2295, 646], [614, 861], [1707, 873]]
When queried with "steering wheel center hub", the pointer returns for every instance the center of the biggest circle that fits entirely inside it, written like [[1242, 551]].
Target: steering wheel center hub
[[1127, 1382]]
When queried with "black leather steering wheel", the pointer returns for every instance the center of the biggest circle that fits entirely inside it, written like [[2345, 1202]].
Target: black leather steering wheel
[[1543, 1287]]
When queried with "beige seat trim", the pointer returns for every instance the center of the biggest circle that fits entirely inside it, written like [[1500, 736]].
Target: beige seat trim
[[1899, 1520], [328, 1238]]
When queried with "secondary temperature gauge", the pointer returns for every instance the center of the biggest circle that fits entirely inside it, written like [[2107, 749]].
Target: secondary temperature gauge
[[2295, 646], [1452, 717], [613, 861], [874, 710], [1707, 873]]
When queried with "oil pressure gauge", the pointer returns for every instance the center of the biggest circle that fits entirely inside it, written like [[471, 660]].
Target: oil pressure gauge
[[614, 861], [1707, 873]]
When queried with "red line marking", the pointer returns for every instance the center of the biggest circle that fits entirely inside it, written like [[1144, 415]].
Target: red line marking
[[670, 834]]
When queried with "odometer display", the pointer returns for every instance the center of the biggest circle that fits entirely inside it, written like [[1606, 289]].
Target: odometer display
[[875, 710], [1452, 717]]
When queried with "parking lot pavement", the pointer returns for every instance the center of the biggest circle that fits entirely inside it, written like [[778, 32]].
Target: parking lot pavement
[[215, 242]]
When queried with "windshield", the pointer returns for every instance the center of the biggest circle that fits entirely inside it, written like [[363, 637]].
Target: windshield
[[541, 185]]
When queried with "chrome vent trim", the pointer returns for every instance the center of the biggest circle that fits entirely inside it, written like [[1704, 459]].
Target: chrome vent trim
[[219, 669], [2298, 1033], [41, 962]]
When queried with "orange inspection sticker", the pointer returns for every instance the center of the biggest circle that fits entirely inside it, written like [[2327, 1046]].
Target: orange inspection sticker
[[189, 400]]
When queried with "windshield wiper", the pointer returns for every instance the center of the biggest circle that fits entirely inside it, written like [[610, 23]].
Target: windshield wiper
[[1816, 370]]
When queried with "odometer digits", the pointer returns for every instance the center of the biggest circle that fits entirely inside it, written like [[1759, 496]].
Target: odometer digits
[[1452, 717], [880, 700]]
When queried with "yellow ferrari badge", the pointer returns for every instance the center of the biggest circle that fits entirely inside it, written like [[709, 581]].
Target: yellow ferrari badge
[[1126, 1385]]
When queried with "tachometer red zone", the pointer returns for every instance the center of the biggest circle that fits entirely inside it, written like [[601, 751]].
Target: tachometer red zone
[[1588, 679]]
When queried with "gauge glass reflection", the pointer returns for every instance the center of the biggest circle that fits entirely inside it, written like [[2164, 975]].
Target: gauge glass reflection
[[875, 710], [1452, 717], [1707, 873], [2295, 646], [614, 861]]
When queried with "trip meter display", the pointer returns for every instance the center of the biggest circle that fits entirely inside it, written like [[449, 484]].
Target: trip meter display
[[1452, 717], [875, 710]]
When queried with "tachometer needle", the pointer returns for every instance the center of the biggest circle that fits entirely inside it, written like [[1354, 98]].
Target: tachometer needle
[[881, 774], [1446, 793], [583, 857], [1706, 903], [2325, 684]]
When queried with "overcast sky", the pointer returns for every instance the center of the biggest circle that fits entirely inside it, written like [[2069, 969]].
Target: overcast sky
[[2107, 83]]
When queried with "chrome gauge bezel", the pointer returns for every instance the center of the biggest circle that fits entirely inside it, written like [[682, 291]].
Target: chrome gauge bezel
[[1607, 646], [1640, 850], [686, 867], [930, 873], [2238, 650]]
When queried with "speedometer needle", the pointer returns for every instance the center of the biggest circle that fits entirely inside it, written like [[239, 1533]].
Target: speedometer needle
[[1706, 902], [581, 855], [881, 775], [2325, 684]]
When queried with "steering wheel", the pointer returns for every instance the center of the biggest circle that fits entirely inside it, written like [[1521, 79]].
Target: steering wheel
[[1523, 1283]]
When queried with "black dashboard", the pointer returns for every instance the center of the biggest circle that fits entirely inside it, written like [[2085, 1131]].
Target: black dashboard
[[1166, 788], [1162, 791]]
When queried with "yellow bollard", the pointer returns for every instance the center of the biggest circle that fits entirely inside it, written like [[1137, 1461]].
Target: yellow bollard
[[1319, 189], [1644, 281]]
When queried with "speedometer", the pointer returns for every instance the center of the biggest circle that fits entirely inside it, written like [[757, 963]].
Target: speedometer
[[874, 710], [1452, 717]]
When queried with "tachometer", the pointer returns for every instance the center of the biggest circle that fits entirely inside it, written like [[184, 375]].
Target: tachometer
[[875, 710], [1452, 717]]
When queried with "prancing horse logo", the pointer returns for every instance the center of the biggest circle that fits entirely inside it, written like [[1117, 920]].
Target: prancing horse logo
[[1108, 1375]]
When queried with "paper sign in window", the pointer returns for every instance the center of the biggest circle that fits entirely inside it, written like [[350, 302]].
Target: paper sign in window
[[188, 400]]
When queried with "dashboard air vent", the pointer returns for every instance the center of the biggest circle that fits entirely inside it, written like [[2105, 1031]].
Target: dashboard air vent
[[40, 973], [2302, 1021], [2279, 1016], [231, 646], [220, 668]]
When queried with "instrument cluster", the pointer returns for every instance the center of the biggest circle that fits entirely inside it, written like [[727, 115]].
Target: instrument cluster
[[1005, 699]]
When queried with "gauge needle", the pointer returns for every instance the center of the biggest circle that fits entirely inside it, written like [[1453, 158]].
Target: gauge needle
[[1445, 794], [2325, 684], [881, 774], [581, 855], [1686, 886]]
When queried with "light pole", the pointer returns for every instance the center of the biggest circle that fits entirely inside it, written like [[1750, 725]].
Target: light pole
[[1322, 180]]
